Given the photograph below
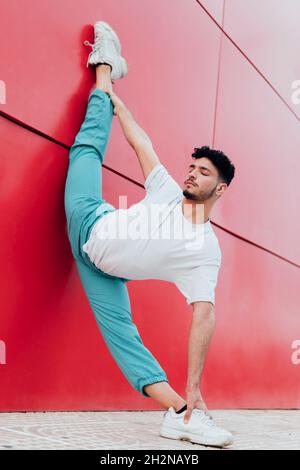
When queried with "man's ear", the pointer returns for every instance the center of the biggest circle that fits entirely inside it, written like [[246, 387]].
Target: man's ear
[[221, 188]]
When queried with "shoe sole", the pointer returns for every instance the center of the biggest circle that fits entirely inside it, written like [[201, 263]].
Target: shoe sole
[[187, 436]]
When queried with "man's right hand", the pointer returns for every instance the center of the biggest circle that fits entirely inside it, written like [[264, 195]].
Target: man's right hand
[[194, 400], [117, 102]]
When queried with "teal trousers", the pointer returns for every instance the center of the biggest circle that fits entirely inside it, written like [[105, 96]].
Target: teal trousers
[[84, 205]]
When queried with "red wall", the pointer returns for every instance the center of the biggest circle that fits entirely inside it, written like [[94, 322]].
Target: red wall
[[200, 73]]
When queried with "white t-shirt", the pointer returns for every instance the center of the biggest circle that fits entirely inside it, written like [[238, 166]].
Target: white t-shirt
[[154, 240]]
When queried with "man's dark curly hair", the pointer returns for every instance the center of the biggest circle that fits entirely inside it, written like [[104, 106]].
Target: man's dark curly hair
[[224, 166]]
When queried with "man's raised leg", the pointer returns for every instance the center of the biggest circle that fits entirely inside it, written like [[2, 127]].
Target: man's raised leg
[[83, 190]]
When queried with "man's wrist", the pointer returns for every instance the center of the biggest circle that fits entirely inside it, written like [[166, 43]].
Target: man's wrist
[[192, 385], [122, 110]]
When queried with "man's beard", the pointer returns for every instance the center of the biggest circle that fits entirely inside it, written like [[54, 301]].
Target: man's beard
[[202, 197]]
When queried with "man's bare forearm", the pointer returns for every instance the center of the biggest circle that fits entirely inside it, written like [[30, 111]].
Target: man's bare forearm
[[134, 134], [201, 332]]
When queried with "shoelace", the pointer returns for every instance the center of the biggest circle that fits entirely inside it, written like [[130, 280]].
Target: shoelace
[[87, 43], [93, 46], [205, 417]]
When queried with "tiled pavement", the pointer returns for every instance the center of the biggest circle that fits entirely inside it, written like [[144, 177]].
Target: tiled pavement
[[252, 429]]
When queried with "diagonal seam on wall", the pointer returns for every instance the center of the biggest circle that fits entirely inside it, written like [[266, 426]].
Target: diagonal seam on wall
[[60, 144], [221, 27], [218, 79], [57, 142]]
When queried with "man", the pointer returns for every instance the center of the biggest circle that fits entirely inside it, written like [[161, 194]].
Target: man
[[108, 254]]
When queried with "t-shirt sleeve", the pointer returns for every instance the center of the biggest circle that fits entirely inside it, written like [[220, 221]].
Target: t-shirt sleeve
[[159, 180], [200, 283]]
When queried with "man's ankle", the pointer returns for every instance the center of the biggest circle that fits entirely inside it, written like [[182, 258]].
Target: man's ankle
[[179, 405], [104, 66]]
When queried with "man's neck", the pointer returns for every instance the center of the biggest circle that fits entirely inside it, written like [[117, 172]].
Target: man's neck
[[194, 211]]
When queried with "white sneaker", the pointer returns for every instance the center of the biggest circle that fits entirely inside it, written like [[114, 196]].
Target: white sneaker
[[200, 429], [107, 49]]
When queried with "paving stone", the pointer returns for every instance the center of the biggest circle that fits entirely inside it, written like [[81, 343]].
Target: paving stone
[[252, 429]]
